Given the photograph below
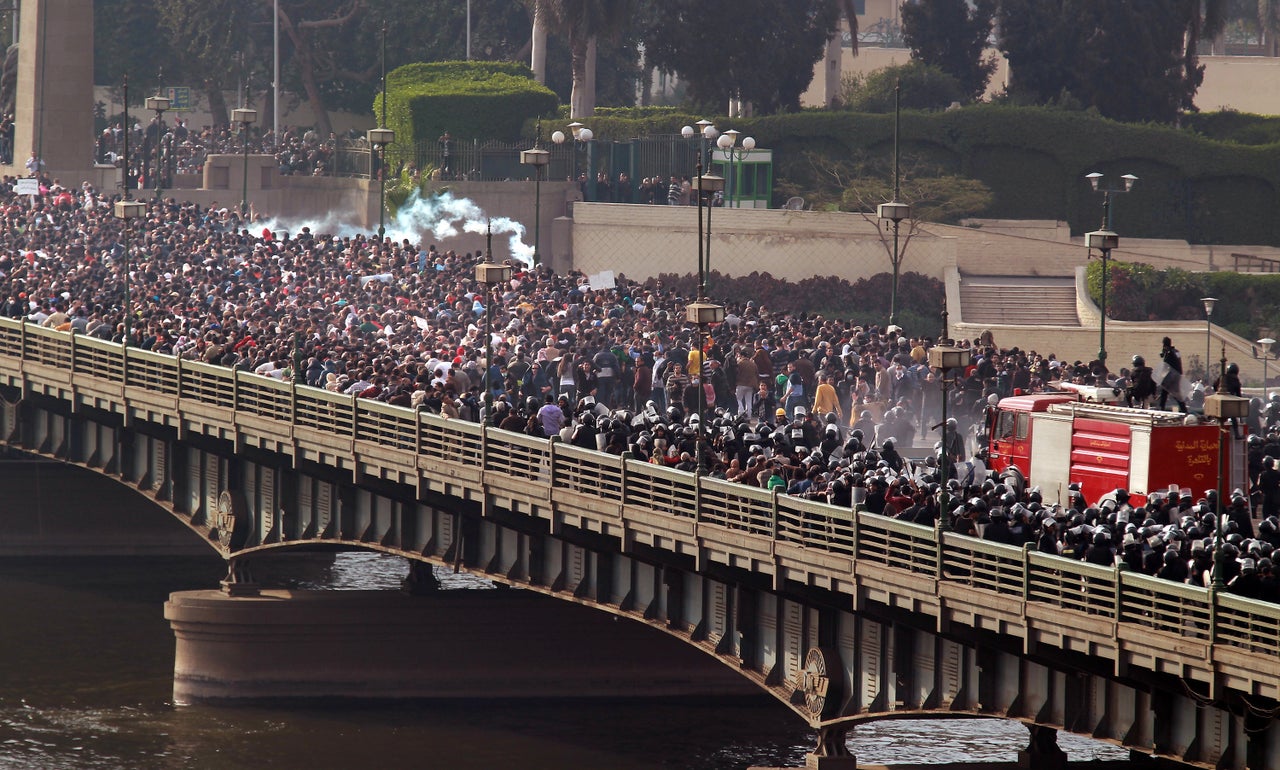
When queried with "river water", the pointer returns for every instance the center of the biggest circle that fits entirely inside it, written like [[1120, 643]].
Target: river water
[[86, 660]]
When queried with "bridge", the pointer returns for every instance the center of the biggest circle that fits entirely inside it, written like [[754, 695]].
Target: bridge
[[841, 615]]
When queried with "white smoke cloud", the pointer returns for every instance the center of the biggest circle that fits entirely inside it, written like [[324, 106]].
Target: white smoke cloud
[[442, 216]]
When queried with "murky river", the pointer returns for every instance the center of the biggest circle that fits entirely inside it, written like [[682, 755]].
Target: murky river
[[86, 660]]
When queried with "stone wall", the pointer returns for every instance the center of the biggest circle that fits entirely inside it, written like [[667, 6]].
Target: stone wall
[[1124, 338], [645, 241]]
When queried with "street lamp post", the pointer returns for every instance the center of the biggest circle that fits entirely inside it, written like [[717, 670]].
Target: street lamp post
[[379, 138], [245, 116], [895, 210], [1227, 410], [490, 273], [1266, 343], [1209, 302], [737, 154], [702, 312], [128, 129], [126, 210], [1105, 239], [580, 134], [945, 359], [538, 158], [159, 105], [728, 143]]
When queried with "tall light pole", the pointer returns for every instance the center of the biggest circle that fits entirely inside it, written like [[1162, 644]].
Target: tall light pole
[[945, 359], [1266, 343], [895, 211], [159, 105], [728, 142], [581, 134], [490, 274], [1227, 410], [379, 138], [701, 312], [125, 210], [538, 158], [245, 116], [1104, 239], [736, 154], [1209, 302], [128, 129]]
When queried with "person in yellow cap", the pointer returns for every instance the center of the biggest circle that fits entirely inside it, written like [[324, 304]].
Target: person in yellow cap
[[780, 416]]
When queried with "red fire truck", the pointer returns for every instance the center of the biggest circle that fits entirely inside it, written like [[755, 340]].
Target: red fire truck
[[1051, 440]]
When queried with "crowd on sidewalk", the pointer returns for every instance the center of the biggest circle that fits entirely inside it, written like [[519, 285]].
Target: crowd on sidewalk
[[815, 406]]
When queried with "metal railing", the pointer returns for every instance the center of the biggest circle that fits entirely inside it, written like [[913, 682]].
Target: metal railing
[[413, 442]]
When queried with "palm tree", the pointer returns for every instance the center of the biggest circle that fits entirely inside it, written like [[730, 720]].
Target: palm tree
[[583, 22], [850, 14]]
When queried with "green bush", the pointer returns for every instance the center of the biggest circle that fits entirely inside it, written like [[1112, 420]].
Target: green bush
[[1033, 160], [924, 87], [484, 100], [1249, 302]]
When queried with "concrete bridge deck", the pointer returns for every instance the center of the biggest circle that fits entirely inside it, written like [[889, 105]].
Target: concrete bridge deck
[[842, 615]]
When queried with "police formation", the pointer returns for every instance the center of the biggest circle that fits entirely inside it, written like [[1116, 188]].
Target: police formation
[[823, 408]]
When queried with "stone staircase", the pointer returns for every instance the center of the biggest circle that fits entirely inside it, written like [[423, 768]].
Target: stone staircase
[[994, 299]]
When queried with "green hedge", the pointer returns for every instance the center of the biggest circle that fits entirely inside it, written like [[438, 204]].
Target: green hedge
[[1034, 160], [1249, 302], [487, 100]]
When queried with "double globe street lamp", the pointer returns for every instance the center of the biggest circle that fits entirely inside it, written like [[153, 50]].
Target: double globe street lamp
[[735, 154], [581, 134], [1104, 239]]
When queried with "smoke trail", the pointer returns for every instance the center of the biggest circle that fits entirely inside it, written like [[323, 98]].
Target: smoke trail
[[443, 216]]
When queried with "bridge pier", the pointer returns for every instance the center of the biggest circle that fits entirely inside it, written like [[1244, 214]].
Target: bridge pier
[[1043, 751], [285, 644]]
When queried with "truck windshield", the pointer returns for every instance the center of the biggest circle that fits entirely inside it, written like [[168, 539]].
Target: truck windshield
[[1006, 426]]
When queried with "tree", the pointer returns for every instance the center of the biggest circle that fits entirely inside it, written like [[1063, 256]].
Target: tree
[[1130, 61], [746, 49], [924, 87], [215, 36], [951, 35], [583, 23]]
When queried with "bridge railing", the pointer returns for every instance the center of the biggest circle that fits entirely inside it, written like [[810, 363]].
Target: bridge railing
[[548, 468]]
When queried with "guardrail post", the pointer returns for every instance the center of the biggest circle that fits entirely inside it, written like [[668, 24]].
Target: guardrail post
[[938, 571], [622, 477], [72, 346], [551, 469], [1117, 600], [697, 495], [417, 433], [1026, 572], [773, 515]]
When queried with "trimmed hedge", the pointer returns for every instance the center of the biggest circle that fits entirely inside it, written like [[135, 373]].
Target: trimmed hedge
[[1034, 160], [1249, 302], [487, 100]]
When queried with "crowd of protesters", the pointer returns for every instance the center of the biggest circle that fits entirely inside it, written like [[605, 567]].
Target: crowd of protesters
[[183, 150], [824, 408]]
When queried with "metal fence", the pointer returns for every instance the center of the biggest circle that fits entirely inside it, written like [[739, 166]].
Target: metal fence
[[660, 157]]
